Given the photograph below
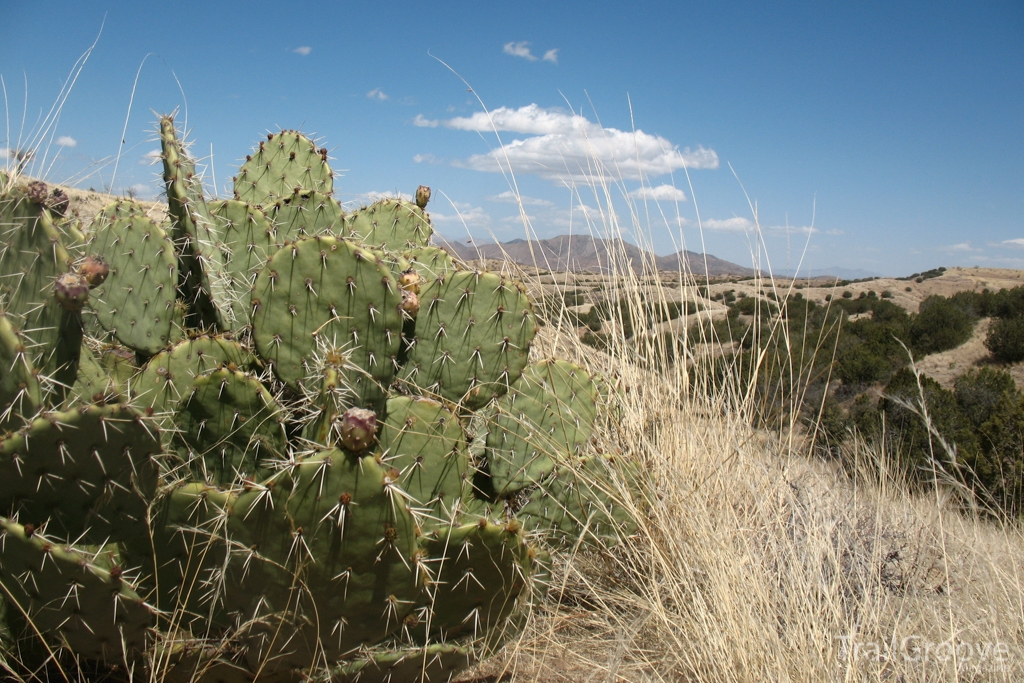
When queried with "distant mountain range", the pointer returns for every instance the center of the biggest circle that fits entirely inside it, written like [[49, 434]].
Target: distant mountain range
[[580, 253]]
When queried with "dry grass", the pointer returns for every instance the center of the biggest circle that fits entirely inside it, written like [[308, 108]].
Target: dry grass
[[757, 562]]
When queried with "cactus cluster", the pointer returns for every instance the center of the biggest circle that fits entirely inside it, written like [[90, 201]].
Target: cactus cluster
[[269, 439]]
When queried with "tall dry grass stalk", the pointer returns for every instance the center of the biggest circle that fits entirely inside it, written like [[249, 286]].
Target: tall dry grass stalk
[[756, 561]]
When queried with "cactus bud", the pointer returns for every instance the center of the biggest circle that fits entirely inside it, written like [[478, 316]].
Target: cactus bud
[[358, 427], [95, 270], [410, 303], [37, 192], [71, 291], [422, 196], [410, 281], [58, 202]]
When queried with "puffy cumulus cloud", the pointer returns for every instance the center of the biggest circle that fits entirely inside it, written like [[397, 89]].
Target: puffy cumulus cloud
[[4, 152], [303, 50], [153, 156], [377, 94], [509, 197], [1018, 242], [569, 147], [667, 193], [551, 56], [520, 49], [423, 122], [67, 141]]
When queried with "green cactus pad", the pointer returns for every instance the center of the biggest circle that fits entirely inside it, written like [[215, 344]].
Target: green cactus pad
[[473, 336], [88, 473], [31, 259], [282, 163], [232, 427], [205, 282], [332, 398], [392, 224], [424, 441], [545, 419], [325, 292], [583, 500], [69, 596], [331, 550], [432, 263], [93, 384], [480, 570], [247, 240], [20, 394], [168, 377], [306, 213], [432, 663], [189, 537], [136, 301]]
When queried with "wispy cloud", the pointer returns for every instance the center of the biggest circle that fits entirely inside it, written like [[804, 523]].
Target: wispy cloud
[[1018, 242], [426, 159], [567, 146], [303, 50], [551, 56], [376, 196], [153, 156], [509, 197], [734, 224], [377, 94], [520, 49], [666, 193], [472, 216], [67, 141], [960, 247], [4, 152]]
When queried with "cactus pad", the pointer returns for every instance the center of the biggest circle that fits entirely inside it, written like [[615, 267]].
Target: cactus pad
[[19, 387], [327, 291], [284, 162], [473, 336], [392, 224], [306, 213], [88, 473], [90, 608], [136, 300], [544, 420]]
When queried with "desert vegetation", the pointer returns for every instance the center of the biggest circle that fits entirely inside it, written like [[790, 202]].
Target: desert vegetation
[[727, 480]]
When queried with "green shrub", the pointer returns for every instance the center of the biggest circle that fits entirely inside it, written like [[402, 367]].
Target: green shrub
[[940, 325], [847, 294], [1006, 339]]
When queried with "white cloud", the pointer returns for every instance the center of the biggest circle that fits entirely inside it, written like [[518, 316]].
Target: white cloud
[[960, 247], [4, 152], [377, 94], [463, 213], [667, 193], [424, 122], [567, 146], [1018, 242], [303, 50], [67, 141], [509, 197], [426, 159], [520, 49], [735, 224], [153, 156], [551, 56]]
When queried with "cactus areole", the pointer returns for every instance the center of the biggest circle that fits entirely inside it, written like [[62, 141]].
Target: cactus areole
[[269, 438]]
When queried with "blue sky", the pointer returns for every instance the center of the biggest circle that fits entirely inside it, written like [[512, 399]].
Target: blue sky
[[890, 134]]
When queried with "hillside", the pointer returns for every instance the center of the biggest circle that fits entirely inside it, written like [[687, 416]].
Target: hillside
[[583, 253]]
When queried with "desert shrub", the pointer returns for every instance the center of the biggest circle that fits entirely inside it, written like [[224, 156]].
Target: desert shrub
[[847, 294], [916, 444], [939, 325], [1005, 339], [887, 294]]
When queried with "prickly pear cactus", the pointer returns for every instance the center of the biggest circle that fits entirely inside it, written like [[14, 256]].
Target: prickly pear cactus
[[263, 440]]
